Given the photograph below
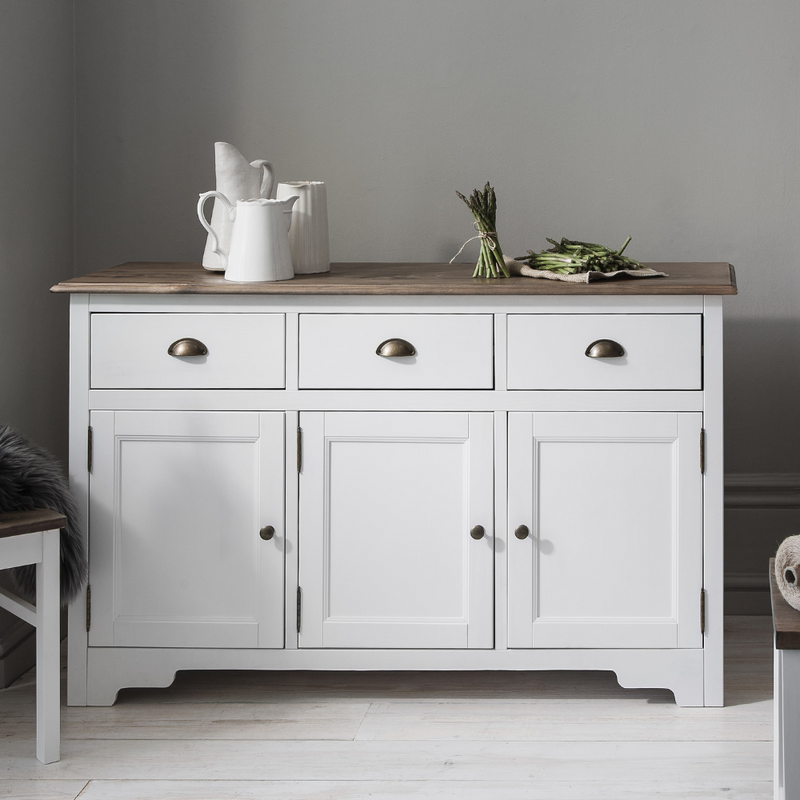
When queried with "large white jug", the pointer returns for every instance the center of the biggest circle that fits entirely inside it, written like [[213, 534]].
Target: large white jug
[[259, 249], [237, 180]]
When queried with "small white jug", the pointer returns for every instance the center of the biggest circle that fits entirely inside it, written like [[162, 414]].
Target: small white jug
[[308, 238], [259, 241]]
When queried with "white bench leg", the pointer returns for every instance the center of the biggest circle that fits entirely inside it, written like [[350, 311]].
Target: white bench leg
[[48, 655], [787, 725]]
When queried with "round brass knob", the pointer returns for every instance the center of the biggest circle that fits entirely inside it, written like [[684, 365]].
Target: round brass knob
[[522, 532], [605, 348], [396, 348], [267, 532], [477, 532], [187, 347]]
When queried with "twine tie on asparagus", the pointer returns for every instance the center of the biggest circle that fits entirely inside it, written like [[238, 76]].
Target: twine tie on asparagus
[[486, 235]]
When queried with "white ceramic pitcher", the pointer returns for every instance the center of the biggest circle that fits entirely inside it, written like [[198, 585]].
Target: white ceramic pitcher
[[259, 249], [237, 180]]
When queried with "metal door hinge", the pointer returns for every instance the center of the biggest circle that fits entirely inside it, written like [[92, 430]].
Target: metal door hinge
[[299, 449], [702, 450], [89, 449], [702, 611], [299, 607], [88, 608]]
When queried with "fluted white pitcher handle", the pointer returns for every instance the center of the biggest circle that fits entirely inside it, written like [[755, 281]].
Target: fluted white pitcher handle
[[229, 209]]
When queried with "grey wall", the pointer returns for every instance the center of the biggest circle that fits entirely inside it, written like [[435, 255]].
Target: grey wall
[[36, 215], [677, 122], [36, 241]]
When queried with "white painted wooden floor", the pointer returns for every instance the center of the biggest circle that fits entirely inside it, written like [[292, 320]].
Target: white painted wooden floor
[[341, 736]]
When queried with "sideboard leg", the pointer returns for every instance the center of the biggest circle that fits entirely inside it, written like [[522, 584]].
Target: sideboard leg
[[713, 504], [787, 725]]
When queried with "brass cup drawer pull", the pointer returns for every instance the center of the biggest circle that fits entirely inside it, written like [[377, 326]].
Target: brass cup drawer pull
[[267, 532], [477, 532], [396, 348], [187, 348], [522, 532], [605, 348]]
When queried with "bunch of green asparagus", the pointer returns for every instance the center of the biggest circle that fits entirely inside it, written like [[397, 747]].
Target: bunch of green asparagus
[[483, 206], [568, 257]]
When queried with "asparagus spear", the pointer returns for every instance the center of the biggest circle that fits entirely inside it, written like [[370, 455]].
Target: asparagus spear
[[569, 256]]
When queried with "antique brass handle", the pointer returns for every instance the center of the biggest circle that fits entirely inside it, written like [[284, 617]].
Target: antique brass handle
[[396, 348], [187, 347], [477, 532], [267, 532], [605, 348], [522, 532]]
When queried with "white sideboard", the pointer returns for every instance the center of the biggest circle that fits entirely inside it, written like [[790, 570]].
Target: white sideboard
[[398, 467]]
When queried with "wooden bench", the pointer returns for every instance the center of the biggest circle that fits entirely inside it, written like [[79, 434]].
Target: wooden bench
[[786, 621], [33, 537]]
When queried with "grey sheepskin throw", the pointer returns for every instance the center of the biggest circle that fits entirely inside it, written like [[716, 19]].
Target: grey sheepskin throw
[[31, 478]]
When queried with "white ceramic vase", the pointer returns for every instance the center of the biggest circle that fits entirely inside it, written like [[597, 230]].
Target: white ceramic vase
[[308, 236], [237, 180]]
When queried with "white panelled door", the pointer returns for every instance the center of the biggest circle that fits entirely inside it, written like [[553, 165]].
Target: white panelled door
[[390, 505], [178, 503], [612, 503]]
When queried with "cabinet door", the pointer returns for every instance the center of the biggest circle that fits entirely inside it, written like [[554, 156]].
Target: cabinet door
[[178, 499], [613, 503], [387, 505]]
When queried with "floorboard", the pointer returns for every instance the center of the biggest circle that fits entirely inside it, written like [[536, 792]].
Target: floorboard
[[342, 736]]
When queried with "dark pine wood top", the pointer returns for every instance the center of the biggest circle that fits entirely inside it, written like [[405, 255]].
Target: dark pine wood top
[[785, 619], [394, 279], [14, 523]]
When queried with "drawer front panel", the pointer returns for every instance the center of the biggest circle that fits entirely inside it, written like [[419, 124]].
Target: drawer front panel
[[451, 351], [245, 351], [659, 351]]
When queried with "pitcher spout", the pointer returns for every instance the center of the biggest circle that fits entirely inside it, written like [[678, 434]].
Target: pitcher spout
[[288, 204]]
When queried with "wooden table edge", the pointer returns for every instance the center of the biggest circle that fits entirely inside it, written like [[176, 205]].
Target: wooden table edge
[[14, 523]]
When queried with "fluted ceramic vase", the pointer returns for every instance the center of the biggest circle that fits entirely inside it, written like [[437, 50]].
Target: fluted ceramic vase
[[308, 236]]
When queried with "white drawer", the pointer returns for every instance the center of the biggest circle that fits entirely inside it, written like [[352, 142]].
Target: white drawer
[[245, 351], [659, 351], [451, 351]]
